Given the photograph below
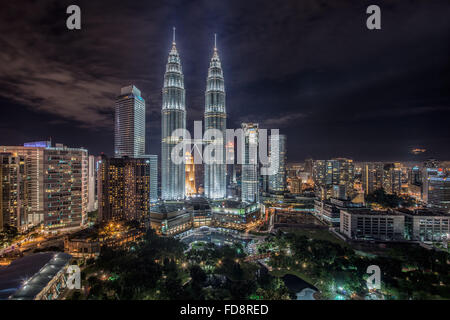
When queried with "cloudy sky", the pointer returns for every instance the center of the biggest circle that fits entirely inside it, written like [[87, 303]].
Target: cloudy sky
[[308, 67]]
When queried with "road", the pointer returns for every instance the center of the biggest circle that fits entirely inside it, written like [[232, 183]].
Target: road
[[26, 245]]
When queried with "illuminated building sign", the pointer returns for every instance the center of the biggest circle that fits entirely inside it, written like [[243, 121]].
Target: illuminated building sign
[[38, 144]]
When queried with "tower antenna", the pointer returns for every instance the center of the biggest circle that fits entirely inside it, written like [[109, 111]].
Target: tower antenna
[[215, 41], [174, 34]]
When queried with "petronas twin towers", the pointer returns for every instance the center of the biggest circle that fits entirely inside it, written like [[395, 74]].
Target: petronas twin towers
[[174, 117]]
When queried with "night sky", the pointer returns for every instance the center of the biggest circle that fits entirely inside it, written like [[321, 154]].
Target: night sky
[[308, 67]]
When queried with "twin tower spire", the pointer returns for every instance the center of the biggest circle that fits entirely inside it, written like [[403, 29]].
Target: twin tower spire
[[173, 116]]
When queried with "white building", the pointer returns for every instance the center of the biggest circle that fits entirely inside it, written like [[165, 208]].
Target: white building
[[372, 225]]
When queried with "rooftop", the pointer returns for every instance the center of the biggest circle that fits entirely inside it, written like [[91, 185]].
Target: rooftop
[[424, 212], [26, 277], [367, 211], [168, 206]]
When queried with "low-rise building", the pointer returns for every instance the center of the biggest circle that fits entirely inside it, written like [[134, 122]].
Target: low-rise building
[[234, 214], [426, 225], [174, 217], [88, 243], [200, 211], [367, 224], [329, 210], [170, 218]]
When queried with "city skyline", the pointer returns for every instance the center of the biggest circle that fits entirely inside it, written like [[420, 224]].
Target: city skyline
[[380, 96], [259, 152]]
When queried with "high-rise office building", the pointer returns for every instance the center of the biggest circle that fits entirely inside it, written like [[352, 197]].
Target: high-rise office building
[[215, 118], [249, 175], [173, 116], [436, 189], [123, 188], [277, 182], [13, 191], [415, 176], [129, 123]]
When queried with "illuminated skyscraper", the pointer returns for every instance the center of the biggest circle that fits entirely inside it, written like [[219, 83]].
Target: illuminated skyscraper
[[277, 182], [190, 175], [333, 178], [13, 191], [436, 188], [34, 158], [249, 177], [392, 182], [92, 177], [215, 118], [372, 176], [56, 184], [129, 123], [173, 116], [123, 188], [65, 186], [380, 175], [152, 161]]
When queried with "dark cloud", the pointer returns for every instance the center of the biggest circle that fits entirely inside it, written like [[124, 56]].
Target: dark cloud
[[310, 68]]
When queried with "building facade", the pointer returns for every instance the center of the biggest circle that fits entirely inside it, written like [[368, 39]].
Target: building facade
[[329, 210], [249, 174], [13, 191], [426, 225], [92, 184], [277, 182], [170, 218], [436, 189], [65, 186], [123, 188], [173, 117], [152, 161], [190, 175], [372, 225], [380, 175], [215, 119], [129, 123], [34, 162], [56, 184], [333, 178]]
